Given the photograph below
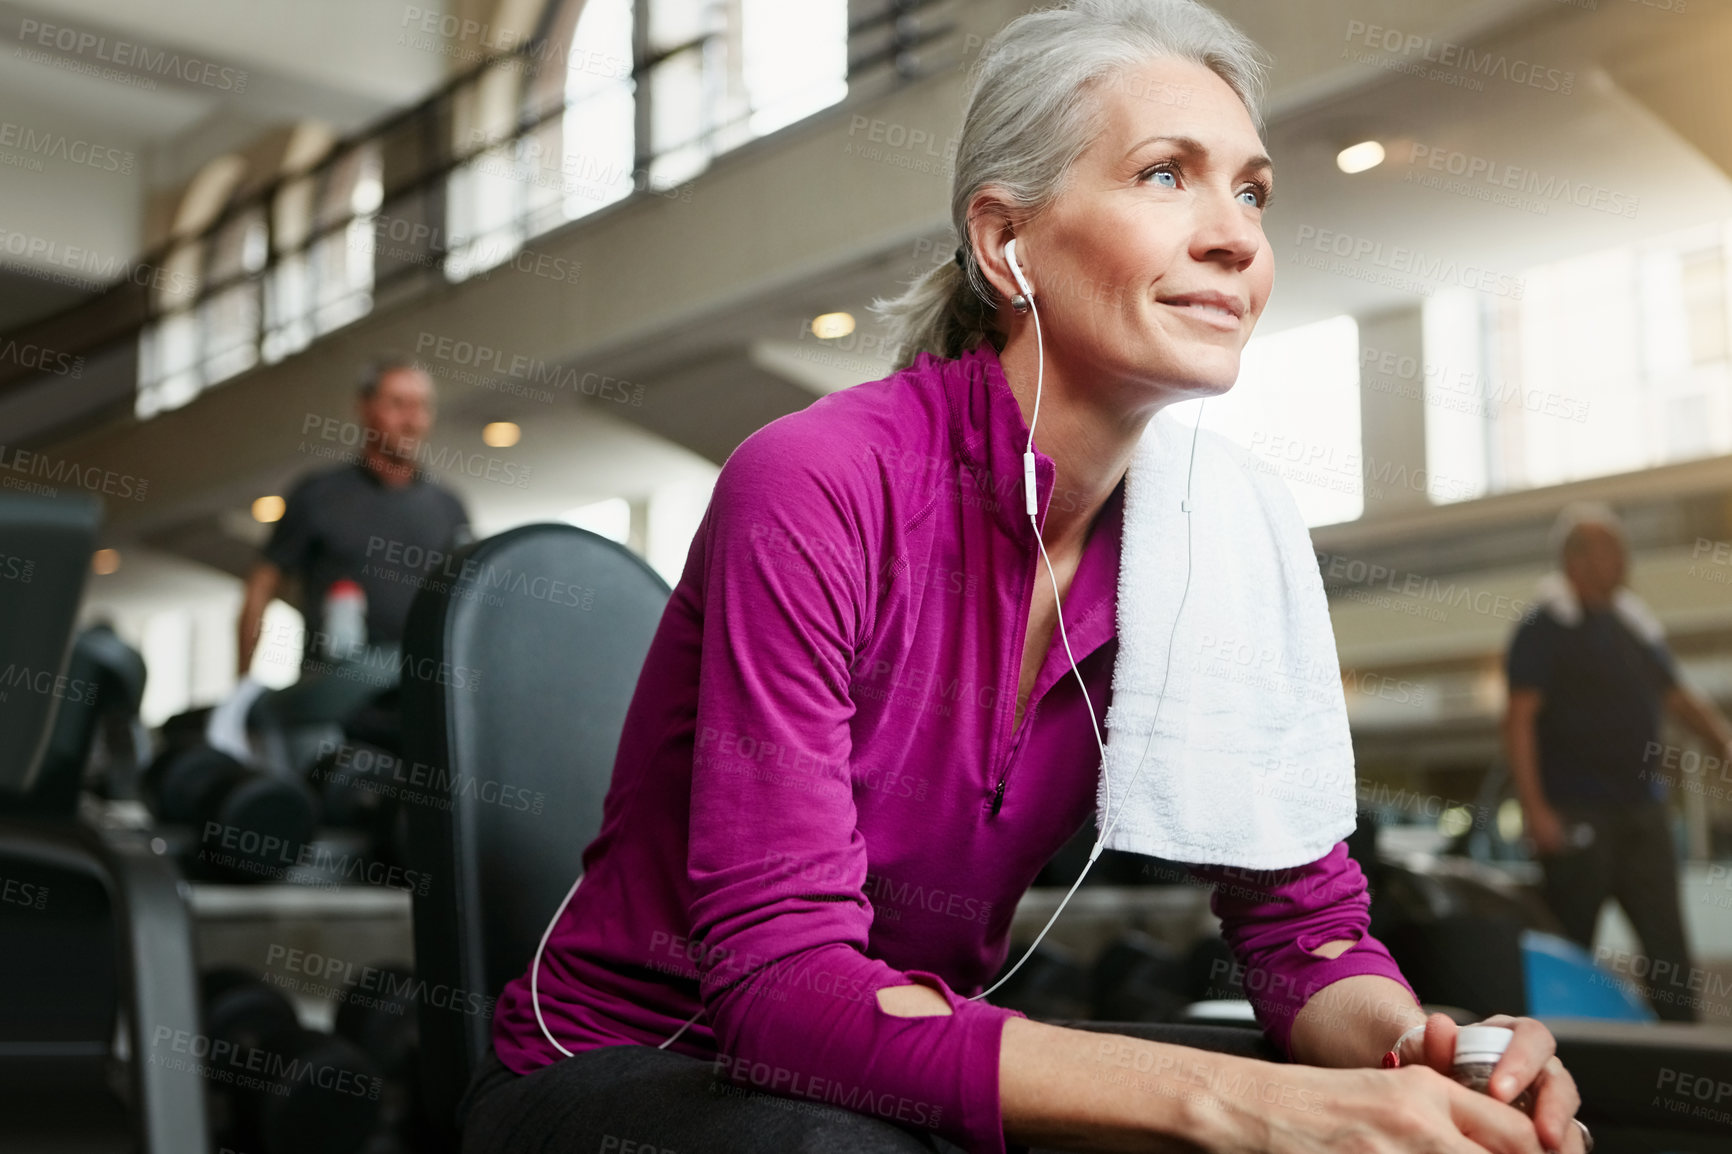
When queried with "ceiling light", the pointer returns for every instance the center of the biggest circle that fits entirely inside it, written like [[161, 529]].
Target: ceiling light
[[269, 509], [1361, 157], [832, 325], [501, 434]]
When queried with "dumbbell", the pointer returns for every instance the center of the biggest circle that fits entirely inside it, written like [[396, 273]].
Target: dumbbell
[[276, 1086], [1139, 979], [250, 826], [343, 780], [357, 786]]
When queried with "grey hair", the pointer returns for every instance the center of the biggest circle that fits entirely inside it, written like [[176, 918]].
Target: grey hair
[[377, 369], [1579, 514], [1031, 114]]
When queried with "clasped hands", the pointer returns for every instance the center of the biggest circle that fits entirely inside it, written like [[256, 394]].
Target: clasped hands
[[1530, 1062]]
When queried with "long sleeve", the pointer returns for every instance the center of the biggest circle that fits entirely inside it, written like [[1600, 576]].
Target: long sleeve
[[777, 864], [1273, 919]]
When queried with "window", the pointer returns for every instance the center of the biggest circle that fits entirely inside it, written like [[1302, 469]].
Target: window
[[728, 71], [340, 262], [255, 308], [169, 373], [796, 59], [597, 136], [1611, 362], [288, 285], [606, 107], [229, 317]]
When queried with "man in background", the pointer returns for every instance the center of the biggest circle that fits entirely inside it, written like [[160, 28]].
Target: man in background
[[1589, 676], [336, 519]]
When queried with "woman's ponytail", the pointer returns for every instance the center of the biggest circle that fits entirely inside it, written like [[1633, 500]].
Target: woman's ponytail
[[939, 313]]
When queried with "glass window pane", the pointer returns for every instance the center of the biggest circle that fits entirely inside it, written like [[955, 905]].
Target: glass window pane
[[168, 364], [677, 101], [678, 123], [796, 59], [676, 22], [600, 138], [1611, 362], [601, 49], [230, 322], [288, 308]]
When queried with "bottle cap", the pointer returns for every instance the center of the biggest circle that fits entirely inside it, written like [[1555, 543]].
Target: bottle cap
[[1481, 1043], [345, 587]]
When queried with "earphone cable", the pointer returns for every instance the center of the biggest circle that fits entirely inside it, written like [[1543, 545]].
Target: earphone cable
[[1028, 473]]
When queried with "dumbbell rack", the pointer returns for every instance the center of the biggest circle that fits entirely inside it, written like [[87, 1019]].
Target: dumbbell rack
[[275, 927], [305, 937]]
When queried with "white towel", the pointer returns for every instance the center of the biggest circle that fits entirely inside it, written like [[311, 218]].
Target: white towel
[[1252, 764], [1558, 597], [226, 728]]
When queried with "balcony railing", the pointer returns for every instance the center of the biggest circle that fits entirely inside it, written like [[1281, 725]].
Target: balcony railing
[[528, 140]]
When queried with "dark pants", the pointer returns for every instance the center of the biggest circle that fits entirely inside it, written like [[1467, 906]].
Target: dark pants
[[603, 1099], [668, 1102], [1631, 859]]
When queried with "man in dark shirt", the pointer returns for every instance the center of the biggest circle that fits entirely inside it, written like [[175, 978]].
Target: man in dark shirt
[[377, 521], [1589, 676]]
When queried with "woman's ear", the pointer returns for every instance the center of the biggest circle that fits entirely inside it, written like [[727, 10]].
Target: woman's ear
[[991, 225]]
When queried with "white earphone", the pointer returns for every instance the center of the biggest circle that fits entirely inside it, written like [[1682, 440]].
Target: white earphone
[[1028, 478], [1016, 269]]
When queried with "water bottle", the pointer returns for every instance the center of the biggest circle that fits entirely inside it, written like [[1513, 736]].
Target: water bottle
[[345, 620], [1477, 1050]]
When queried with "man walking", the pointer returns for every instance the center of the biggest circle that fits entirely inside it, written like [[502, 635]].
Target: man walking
[[336, 520]]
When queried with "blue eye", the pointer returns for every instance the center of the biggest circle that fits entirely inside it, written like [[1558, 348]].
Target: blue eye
[[1163, 171], [1256, 200]]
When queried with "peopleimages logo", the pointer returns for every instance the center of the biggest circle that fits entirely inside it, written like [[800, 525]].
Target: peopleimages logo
[[253, 1067], [59, 146], [125, 54], [1477, 64], [344, 981], [1508, 177], [487, 359], [1372, 255]]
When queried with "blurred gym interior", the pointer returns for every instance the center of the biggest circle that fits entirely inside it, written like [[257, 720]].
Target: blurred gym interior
[[619, 236]]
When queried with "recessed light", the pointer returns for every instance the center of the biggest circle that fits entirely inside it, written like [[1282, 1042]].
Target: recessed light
[[1362, 157], [832, 325], [269, 509], [501, 434]]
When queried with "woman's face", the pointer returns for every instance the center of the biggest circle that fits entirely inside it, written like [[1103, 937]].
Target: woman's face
[[1150, 268]]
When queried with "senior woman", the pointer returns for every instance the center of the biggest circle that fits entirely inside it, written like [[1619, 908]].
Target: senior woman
[[854, 742]]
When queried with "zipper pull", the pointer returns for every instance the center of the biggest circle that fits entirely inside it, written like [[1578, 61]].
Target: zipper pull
[[998, 797]]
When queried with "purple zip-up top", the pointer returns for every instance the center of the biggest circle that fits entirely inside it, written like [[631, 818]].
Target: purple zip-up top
[[820, 792]]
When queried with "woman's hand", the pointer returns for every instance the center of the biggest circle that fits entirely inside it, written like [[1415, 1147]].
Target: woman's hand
[[1410, 1110], [1530, 1062]]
